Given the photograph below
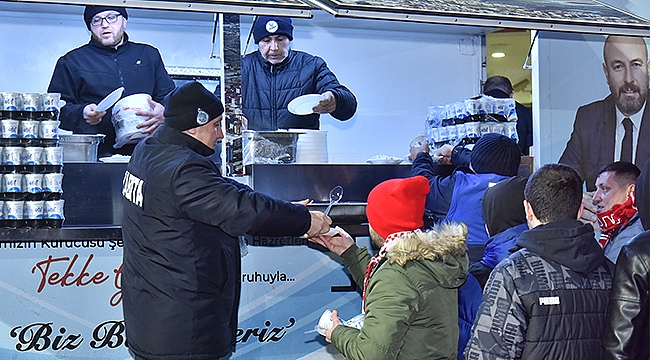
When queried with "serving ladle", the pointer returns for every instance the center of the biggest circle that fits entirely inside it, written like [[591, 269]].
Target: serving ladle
[[335, 196]]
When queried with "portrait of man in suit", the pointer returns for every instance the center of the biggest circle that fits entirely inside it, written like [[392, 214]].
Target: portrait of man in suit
[[616, 128]]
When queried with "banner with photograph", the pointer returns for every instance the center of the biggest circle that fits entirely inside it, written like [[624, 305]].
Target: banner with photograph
[[580, 92]]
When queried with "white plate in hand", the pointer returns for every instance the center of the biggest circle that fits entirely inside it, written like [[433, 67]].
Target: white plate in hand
[[303, 105], [110, 99], [331, 232]]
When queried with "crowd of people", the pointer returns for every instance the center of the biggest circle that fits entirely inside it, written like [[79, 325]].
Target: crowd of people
[[546, 285], [479, 264]]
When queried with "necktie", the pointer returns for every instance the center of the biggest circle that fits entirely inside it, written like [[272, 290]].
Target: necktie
[[626, 145]]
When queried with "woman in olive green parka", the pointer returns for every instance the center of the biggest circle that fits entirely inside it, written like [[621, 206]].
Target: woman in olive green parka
[[411, 286]]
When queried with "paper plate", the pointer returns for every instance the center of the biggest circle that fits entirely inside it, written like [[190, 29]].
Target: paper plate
[[384, 161], [115, 159], [110, 99], [303, 105]]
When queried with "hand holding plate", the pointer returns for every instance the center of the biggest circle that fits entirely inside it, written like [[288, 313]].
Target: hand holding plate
[[327, 104], [92, 115], [304, 105]]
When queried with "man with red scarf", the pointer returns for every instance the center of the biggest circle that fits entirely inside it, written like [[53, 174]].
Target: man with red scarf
[[615, 206]]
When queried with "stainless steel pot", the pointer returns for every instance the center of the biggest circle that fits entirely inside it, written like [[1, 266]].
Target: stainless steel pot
[[80, 147]]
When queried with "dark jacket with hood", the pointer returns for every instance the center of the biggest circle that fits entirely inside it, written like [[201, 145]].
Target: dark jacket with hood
[[627, 329], [87, 74], [505, 219], [181, 273], [547, 300], [503, 209], [267, 89]]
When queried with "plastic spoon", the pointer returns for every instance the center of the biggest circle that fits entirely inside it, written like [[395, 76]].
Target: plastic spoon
[[335, 196]]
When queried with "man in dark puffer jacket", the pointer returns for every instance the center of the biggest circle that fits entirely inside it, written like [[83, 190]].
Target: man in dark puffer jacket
[[275, 74], [548, 299]]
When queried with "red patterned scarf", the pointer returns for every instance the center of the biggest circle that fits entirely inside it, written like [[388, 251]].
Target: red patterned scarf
[[388, 243], [617, 216]]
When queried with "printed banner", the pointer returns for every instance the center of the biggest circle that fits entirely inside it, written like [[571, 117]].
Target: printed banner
[[62, 300]]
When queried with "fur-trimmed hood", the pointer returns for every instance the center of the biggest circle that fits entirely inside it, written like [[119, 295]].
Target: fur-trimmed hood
[[443, 245]]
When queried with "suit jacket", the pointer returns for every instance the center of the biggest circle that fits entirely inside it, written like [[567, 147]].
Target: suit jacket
[[592, 141]]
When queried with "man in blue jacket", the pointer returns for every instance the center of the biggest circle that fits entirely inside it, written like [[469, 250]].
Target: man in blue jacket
[[275, 74], [181, 274], [85, 75], [457, 197]]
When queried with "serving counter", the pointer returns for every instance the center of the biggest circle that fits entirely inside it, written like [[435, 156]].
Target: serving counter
[[61, 287]]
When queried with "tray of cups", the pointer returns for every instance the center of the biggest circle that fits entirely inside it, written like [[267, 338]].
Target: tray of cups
[[29, 130], [32, 213], [29, 115], [32, 223], [33, 169]]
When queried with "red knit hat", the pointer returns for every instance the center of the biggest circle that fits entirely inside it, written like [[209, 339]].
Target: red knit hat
[[397, 205]]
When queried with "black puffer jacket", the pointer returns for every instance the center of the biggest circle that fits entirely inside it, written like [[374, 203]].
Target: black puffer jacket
[[547, 300], [181, 273], [87, 74], [627, 329], [267, 89]]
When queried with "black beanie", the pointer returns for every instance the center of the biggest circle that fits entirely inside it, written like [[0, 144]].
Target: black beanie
[[187, 105], [92, 10], [496, 154], [272, 25]]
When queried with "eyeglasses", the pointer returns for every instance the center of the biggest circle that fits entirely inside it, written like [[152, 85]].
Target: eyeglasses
[[110, 19]]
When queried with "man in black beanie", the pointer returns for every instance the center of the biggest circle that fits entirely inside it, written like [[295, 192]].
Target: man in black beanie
[[275, 74], [457, 197], [85, 75], [181, 223]]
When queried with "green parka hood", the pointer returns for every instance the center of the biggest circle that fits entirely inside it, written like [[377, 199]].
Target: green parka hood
[[444, 244]]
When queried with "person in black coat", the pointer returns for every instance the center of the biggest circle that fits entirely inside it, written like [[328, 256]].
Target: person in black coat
[[85, 75], [181, 274]]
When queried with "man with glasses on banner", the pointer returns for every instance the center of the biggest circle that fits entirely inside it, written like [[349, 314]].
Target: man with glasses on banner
[[87, 74], [617, 127]]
